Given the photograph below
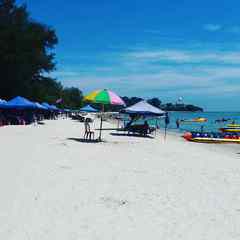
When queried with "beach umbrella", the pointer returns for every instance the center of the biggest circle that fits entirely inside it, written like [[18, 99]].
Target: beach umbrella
[[104, 97], [89, 109]]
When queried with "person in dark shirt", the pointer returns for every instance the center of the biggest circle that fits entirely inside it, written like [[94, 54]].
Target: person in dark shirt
[[177, 123]]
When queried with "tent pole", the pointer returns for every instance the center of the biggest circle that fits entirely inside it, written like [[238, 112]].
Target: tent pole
[[100, 133], [156, 124]]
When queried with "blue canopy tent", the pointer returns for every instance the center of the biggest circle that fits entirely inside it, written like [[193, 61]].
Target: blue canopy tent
[[46, 105], [2, 104], [54, 107], [2, 101], [20, 103], [40, 107], [89, 109], [143, 108]]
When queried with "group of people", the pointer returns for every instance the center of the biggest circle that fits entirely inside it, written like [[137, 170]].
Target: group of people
[[24, 117]]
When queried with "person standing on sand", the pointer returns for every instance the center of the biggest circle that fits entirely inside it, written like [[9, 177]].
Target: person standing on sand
[[88, 133], [177, 123]]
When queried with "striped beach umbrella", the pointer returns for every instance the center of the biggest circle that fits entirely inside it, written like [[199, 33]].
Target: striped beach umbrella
[[104, 97]]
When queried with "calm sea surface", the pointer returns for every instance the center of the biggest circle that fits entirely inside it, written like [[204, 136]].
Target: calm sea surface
[[210, 125]]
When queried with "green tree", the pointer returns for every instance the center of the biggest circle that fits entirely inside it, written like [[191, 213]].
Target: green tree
[[72, 98], [25, 50], [155, 102], [46, 90]]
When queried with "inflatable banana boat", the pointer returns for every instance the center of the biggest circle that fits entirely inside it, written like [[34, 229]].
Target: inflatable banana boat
[[211, 137]]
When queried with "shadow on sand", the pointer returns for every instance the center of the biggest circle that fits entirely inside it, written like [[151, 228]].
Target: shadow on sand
[[131, 135], [82, 140]]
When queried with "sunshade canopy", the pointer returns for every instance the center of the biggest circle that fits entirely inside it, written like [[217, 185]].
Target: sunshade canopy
[[54, 107], [20, 103], [2, 103], [49, 107], [88, 108], [143, 108], [40, 106]]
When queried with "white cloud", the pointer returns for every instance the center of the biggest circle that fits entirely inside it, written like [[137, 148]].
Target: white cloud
[[181, 56], [140, 73], [225, 29], [199, 80], [65, 73], [212, 27]]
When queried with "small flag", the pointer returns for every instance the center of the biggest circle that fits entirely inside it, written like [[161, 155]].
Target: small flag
[[59, 100]]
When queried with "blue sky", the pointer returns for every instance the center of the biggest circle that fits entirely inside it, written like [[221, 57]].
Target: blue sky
[[148, 48]]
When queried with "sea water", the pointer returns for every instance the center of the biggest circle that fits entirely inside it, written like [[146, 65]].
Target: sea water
[[210, 126]]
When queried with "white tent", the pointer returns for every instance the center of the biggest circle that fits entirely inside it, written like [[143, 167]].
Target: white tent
[[143, 108]]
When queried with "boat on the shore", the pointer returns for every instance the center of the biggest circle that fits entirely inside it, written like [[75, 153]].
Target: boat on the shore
[[194, 120], [233, 125], [211, 137], [230, 130]]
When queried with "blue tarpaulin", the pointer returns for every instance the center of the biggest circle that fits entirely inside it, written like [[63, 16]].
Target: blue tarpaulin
[[20, 103], [3, 103], [41, 107], [54, 107], [47, 106], [50, 107], [88, 108], [143, 108]]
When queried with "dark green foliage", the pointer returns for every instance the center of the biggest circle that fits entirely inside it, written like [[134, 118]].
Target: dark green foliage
[[26, 57], [180, 107], [46, 90], [130, 101], [72, 98], [155, 102], [24, 50]]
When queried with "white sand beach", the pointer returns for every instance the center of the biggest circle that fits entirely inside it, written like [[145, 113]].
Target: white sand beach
[[54, 186]]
